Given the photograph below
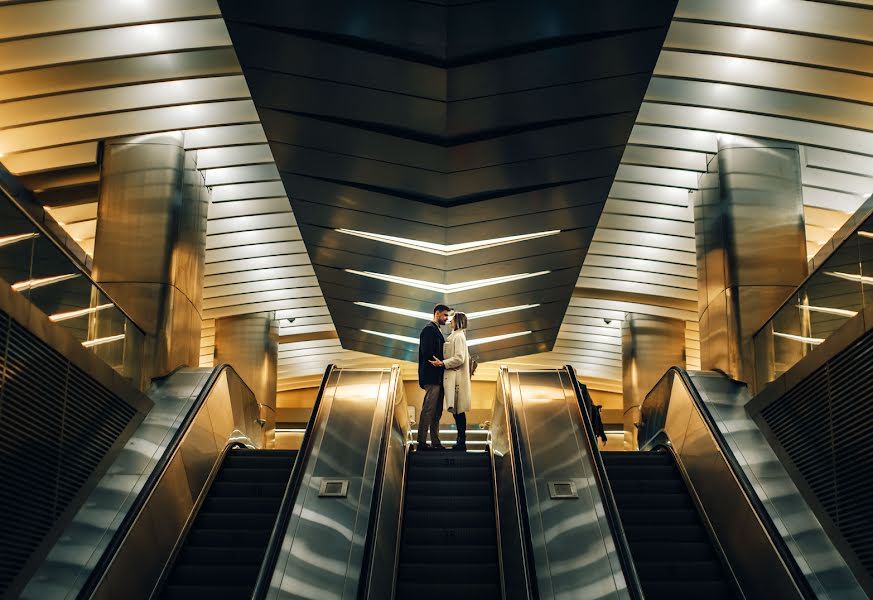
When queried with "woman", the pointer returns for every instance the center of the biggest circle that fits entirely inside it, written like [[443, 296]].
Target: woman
[[456, 377]]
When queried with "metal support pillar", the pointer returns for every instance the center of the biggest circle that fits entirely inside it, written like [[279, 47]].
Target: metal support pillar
[[150, 244], [250, 344], [751, 246], [649, 347]]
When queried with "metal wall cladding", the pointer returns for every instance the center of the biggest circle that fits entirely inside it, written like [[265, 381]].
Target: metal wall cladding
[[823, 426], [56, 425]]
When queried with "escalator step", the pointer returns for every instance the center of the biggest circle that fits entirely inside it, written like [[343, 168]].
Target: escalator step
[[439, 474], [218, 538], [431, 554], [257, 460], [449, 503], [635, 517], [676, 501], [235, 521], [249, 475], [449, 488], [645, 486], [228, 489], [449, 537], [207, 592], [225, 555], [442, 591], [448, 520], [461, 460], [220, 574], [459, 573], [251, 452], [687, 590], [620, 472], [637, 458], [679, 551], [673, 533], [679, 571], [241, 505]]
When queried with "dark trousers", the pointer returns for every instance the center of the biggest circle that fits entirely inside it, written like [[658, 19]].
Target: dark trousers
[[431, 411], [461, 425]]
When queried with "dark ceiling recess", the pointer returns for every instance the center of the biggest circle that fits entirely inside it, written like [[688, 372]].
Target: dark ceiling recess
[[447, 123]]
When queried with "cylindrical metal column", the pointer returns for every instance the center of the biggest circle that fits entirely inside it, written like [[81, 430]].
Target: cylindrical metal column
[[150, 245], [249, 343], [751, 246], [649, 346]]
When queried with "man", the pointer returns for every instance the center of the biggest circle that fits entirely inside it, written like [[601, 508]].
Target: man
[[430, 377]]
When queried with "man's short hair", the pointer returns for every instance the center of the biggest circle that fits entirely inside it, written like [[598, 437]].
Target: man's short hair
[[440, 308]]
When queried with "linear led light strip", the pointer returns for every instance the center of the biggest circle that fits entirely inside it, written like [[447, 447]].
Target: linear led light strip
[[78, 313], [443, 288], [829, 311], [11, 239], [476, 342], [799, 338], [851, 277], [866, 234], [37, 283], [448, 249], [103, 340], [427, 317]]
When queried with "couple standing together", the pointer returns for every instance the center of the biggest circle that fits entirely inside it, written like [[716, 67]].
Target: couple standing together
[[444, 375]]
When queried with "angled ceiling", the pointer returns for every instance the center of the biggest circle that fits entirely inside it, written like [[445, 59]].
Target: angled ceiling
[[413, 139]]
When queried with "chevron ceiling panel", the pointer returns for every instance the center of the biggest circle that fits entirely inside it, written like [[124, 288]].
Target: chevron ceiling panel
[[457, 153]]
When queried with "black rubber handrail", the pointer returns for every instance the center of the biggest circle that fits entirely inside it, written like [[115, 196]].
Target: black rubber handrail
[[265, 574], [136, 508], [776, 538], [634, 587]]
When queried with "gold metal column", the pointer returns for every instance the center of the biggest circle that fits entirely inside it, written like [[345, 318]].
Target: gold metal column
[[150, 245], [649, 347], [249, 343], [751, 246]]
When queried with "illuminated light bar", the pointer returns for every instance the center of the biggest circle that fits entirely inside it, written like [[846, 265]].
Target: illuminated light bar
[[866, 234], [78, 313], [476, 342], [829, 311], [11, 239], [446, 288], [103, 340], [281, 430], [36, 283], [448, 249], [851, 277], [428, 317], [799, 338]]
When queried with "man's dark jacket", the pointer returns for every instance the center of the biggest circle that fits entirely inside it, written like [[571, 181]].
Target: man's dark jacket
[[430, 344]]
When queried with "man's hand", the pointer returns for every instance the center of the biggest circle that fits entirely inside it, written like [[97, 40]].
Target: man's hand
[[436, 362]]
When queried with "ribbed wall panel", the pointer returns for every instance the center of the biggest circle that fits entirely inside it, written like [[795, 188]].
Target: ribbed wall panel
[[56, 426], [823, 425]]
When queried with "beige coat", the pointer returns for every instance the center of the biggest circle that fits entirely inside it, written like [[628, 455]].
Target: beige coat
[[456, 378]]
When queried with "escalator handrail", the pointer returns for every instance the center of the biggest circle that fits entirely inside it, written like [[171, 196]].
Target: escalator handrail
[[518, 488], [496, 507], [376, 505], [139, 502], [748, 489], [622, 545], [192, 516], [268, 564]]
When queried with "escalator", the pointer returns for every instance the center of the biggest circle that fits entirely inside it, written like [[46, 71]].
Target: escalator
[[449, 538], [223, 551], [674, 555]]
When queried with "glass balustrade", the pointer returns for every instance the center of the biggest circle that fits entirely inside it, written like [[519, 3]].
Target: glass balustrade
[[835, 292], [38, 269]]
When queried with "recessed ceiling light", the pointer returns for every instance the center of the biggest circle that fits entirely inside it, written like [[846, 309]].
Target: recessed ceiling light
[[851, 277], [448, 249], [78, 313], [451, 288], [799, 338], [428, 317], [475, 342], [103, 340], [866, 234], [37, 283], [11, 239], [827, 310]]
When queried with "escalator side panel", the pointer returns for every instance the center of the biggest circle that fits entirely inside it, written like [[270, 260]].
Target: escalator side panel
[[324, 541], [573, 550]]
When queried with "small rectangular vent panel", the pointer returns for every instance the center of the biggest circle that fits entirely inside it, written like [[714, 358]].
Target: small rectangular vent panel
[[824, 426], [56, 426]]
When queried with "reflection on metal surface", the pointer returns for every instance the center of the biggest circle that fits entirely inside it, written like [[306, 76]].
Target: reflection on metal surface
[[449, 249], [851, 277], [323, 548], [126, 529], [573, 551], [828, 311], [11, 239], [799, 338], [103, 340], [447, 288], [31, 284], [774, 544], [428, 316], [78, 313]]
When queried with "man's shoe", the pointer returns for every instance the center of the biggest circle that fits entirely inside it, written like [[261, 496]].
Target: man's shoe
[[460, 447], [437, 447], [422, 447]]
